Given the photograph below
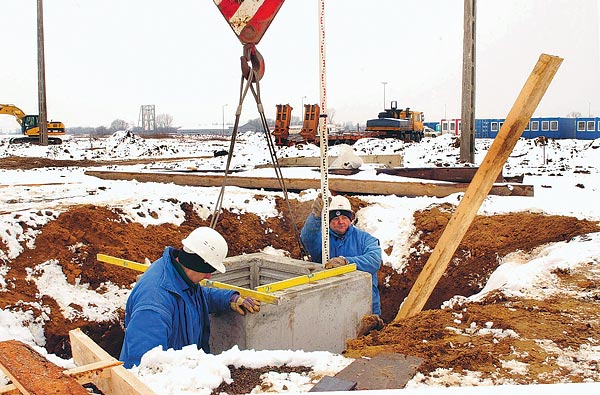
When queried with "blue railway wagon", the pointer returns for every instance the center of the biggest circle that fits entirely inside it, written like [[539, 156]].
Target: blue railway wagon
[[487, 128], [547, 127], [587, 128], [584, 128], [550, 127]]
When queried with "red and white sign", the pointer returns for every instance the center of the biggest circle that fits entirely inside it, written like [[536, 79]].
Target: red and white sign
[[249, 19]]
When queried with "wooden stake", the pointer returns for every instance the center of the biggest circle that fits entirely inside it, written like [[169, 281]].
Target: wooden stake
[[478, 189]]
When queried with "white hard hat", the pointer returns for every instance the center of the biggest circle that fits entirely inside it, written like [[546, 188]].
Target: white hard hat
[[208, 244], [339, 202], [340, 206]]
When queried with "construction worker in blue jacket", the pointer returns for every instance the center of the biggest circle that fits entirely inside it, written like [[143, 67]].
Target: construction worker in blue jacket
[[347, 243], [168, 308]]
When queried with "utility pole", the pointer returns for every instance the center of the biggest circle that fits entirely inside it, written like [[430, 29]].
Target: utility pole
[[43, 117], [467, 136]]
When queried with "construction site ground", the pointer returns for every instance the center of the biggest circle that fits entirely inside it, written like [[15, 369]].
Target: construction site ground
[[568, 320]]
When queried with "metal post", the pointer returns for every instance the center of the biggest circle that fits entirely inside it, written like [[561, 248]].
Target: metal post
[[384, 84], [43, 118]]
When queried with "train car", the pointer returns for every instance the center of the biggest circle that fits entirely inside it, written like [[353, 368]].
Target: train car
[[587, 128], [583, 128], [549, 127], [546, 127], [451, 126]]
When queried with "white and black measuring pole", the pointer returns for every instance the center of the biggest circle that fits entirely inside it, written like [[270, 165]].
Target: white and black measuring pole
[[323, 137]]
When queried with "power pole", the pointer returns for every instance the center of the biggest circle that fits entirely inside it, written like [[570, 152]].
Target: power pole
[[43, 117], [467, 136]]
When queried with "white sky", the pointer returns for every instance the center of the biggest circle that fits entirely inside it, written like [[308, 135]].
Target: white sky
[[389, 218], [106, 58]]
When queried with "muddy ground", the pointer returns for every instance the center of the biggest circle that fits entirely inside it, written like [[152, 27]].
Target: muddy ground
[[568, 320]]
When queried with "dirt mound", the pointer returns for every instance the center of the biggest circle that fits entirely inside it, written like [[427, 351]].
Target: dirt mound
[[78, 234], [488, 239]]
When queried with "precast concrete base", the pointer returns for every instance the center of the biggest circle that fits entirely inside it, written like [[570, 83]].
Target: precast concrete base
[[317, 316]]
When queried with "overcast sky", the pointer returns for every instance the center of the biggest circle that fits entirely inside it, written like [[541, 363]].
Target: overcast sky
[[104, 59]]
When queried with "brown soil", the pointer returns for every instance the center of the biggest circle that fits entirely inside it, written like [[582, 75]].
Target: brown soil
[[568, 321], [245, 379]]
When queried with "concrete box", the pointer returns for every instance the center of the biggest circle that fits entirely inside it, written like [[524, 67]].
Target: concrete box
[[318, 316]]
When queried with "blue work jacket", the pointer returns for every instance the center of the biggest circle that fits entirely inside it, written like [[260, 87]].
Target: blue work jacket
[[164, 310], [357, 246]]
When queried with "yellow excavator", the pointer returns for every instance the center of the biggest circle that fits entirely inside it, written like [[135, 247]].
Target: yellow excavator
[[30, 126]]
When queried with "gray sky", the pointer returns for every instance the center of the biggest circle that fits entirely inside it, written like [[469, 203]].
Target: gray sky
[[106, 58]]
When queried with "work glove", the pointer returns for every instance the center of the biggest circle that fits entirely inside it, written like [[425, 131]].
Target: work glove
[[317, 206], [336, 262], [241, 304]]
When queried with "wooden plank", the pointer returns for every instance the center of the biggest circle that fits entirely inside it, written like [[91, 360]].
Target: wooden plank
[[383, 371], [196, 170], [120, 381], [452, 174], [385, 160], [83, 374], [338, 184], [92, 371], [492, 164], [33, 374], [9, 389]]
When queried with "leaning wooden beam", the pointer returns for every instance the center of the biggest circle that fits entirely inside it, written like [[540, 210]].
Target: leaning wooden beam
[[492, 164], [340, 185], [120, 382], [31, 373]]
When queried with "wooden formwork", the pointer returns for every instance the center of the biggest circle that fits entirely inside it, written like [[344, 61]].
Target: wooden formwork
[[33, 374]]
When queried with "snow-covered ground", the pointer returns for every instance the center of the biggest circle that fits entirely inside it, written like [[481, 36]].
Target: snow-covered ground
[[564, 174]]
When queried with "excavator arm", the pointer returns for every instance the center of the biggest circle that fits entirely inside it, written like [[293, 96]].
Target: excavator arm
[[11, 109]]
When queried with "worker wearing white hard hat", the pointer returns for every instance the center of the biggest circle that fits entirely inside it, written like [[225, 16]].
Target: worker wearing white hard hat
[[168, 308], [347, 243]]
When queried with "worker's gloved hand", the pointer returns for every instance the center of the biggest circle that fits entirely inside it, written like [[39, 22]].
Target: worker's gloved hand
[[241, 304], [317, 206], [336, 262]]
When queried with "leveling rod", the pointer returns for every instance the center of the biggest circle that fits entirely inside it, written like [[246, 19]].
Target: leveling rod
[[140, 267]]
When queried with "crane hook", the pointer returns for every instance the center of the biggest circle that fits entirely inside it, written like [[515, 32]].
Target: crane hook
[[252, 60]]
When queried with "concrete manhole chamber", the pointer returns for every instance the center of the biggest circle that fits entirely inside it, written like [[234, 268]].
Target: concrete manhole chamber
[[319, 315]]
